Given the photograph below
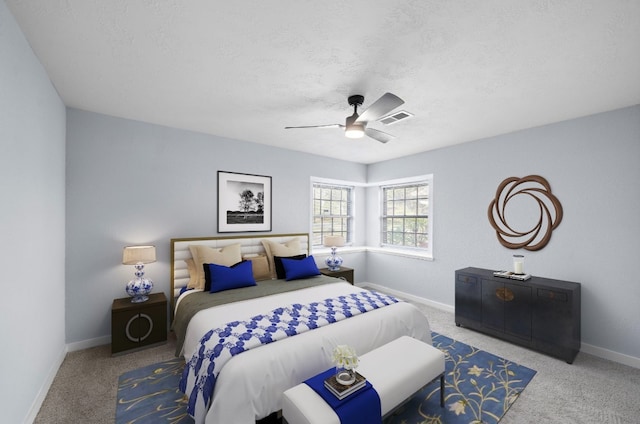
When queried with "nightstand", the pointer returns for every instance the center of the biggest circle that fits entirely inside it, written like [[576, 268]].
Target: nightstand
[[138, 325], [343, 273]]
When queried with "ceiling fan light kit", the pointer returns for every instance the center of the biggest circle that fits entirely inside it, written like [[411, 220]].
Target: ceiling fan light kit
[[356, 125], [353, 129]]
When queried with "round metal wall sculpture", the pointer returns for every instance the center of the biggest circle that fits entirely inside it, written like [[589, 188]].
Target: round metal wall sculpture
[[549, 208]]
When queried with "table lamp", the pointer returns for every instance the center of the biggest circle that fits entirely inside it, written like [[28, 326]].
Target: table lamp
[[140, 287], [333, 261]]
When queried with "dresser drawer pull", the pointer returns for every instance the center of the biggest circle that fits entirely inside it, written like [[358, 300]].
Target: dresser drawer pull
[[467, 279], [504, 294], [552, 295]]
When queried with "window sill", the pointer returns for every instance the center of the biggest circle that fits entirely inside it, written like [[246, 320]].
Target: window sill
[[406, 253], [340, 250]]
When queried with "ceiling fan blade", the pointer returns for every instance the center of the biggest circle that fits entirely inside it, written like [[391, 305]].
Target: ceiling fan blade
[[380, 107], [381, 136], [318, 126]]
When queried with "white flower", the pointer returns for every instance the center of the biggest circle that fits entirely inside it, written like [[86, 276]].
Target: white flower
[[345, 357], [458, 407]]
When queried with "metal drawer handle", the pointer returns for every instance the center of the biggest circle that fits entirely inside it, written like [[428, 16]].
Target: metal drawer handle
[[133, 318], [504, 294]]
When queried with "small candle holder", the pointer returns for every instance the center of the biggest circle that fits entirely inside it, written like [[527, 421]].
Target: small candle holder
[[518, 264]]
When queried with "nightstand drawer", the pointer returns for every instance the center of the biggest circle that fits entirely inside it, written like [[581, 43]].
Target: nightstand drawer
[[138, 325], [343, 273]]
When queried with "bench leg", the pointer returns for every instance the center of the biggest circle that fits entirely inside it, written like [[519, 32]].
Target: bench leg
[[442, 390]]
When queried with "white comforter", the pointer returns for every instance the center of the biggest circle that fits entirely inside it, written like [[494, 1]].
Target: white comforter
[[250, 385]]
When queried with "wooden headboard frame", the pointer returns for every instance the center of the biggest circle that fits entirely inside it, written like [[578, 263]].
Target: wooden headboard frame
[[248, 245]]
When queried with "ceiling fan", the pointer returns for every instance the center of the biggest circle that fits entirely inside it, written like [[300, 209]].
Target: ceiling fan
[[356, 125]]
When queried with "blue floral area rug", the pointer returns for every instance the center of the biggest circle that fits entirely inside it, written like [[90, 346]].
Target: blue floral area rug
[[150, 395], [479, 388]]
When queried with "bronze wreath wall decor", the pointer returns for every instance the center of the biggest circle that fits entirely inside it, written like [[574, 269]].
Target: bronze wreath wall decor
[[549, 208]]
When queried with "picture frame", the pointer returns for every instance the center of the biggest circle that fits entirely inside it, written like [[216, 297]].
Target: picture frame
[[244, 202]]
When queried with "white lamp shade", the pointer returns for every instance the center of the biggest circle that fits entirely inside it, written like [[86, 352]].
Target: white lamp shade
[[354, 131], [132, 255], [334, 241]]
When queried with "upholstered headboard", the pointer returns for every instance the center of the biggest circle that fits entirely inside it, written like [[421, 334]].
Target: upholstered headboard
[[248, 245]]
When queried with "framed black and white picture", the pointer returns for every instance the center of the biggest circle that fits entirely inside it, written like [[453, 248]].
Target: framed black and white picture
[[244, 202]]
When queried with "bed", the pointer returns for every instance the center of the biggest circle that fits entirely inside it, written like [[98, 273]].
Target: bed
[[249, 387]]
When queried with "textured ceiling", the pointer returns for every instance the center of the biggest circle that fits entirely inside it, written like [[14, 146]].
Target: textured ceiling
[[246, 69]]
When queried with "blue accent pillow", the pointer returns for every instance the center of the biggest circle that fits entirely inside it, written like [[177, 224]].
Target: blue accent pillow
[[277, 260], [230, 277], [184, 289], [300, 268]]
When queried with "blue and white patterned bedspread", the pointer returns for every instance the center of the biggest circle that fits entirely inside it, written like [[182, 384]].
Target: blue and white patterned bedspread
[[219, 345]]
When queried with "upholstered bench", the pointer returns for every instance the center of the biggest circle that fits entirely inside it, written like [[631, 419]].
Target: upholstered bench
[[397, 370]]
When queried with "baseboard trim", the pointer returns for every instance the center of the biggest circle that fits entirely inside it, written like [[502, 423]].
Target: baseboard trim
[[46, 385], [603, 353], [55, 367], [86, 344], [424, 301], [600, 352]]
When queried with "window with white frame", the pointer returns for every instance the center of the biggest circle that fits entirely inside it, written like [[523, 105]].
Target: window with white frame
[[406, 215], [332, 212]]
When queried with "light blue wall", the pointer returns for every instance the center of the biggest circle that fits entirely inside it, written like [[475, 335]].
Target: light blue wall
[[32, 225], [592, 165], [129, 183]]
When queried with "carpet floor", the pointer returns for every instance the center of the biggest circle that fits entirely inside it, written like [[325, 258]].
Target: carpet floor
[[479, 387], [591, 390]]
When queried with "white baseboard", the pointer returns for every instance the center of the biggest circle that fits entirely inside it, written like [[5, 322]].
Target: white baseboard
[[86, 344], [603, 353], [46, 385], [586, 348], [53, 371], [437, 305]]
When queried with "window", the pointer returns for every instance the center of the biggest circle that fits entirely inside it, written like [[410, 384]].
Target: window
[[332, 212], [406, 220]]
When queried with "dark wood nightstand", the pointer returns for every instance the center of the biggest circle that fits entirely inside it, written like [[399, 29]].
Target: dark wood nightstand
[[138, 325], [343, 273]]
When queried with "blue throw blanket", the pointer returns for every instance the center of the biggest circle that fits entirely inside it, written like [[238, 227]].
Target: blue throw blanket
[[219, 345]]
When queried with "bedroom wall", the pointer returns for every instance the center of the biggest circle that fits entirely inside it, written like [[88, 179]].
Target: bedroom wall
[[592, 166], [32, 225], [130, 183]]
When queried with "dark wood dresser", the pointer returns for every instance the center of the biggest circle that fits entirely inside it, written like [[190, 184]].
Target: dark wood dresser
[[539, 313]]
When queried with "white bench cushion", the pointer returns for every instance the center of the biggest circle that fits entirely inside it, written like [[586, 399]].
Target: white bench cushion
[[396, 370]]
